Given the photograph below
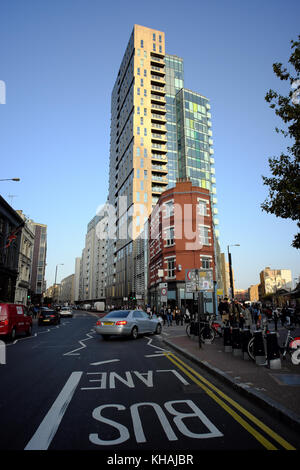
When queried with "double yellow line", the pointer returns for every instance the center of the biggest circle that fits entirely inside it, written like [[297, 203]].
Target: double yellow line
[[221, 398]]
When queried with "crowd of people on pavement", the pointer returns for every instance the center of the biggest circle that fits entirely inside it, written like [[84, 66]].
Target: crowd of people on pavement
[[244, 314], [232, 312], [175, 315]]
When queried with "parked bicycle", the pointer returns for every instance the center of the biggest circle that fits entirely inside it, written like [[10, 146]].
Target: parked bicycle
[[291, 346], [250, 347], [209, 329]]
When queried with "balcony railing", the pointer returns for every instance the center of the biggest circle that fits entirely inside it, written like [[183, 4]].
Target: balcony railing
[[162, 179], [154, 97], [159, 168], [160, 117], [159, 126], [157, 78], [158, 107], [159, 136], [157, 189], [161, 158], [159, 147]]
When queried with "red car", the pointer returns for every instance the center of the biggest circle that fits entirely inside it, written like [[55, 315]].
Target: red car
[[14, 320]]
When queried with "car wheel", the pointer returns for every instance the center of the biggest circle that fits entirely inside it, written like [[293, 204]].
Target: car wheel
[[29, 331], [105, 337], [13, 334], [158, 329], [134, 333]]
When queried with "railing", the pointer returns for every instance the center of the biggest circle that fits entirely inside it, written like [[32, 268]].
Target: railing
[[156, 77], [158, 136], [159, 168], [158, 116], [158, 106], [159, 126], [157, 97], [162, 158]]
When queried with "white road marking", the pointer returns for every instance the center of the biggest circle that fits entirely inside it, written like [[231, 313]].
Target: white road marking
[[21, 339], [152, 345], [46, 431], [158, 354], [104, 362], [74, 353]]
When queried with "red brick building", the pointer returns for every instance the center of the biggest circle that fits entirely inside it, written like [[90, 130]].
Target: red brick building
[[180, 238]]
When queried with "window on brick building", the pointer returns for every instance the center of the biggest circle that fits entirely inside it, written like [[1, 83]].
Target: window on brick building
[[171, 267]]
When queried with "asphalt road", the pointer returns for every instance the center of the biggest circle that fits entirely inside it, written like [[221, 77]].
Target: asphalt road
[[65, 388]]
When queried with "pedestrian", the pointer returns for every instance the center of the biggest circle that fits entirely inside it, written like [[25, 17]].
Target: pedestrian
[[187, 315], [177, 315], [169, 315], [181, 314], [275, 317], [223, 310], [163, 315], [247, 316], [284, 314], [235, 312]]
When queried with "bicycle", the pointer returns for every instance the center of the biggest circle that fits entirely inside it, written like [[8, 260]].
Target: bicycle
[[208, 331], [250, 346], [291, 346]]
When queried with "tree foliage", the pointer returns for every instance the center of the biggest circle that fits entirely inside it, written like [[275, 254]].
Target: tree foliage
[[284, 184]]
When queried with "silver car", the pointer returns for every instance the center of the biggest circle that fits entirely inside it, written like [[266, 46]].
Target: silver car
[[128, 323], [66, 312]]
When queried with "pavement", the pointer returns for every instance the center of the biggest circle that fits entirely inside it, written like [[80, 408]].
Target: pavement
[[275, 389]]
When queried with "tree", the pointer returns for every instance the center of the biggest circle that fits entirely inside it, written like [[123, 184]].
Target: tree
[[284, 186]]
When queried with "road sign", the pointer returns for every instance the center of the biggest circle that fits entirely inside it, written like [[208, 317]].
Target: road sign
[[164, 294], [198, 279]]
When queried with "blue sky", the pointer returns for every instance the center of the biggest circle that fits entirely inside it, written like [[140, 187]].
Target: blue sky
[[59, 60]]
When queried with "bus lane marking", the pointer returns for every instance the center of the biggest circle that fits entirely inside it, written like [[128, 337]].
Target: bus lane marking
[[46, 431]]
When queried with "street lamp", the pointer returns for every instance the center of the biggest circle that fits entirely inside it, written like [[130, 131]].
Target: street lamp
[[10, 179], [60, 264], [230, 269]]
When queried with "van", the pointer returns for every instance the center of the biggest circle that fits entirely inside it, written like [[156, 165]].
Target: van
[[14, 320]]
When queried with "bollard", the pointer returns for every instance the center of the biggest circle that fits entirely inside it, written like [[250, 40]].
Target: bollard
[[273, 353], [206, 334], [246, 335], [259, 348], [227, 339], [194, 328], [236, 342]]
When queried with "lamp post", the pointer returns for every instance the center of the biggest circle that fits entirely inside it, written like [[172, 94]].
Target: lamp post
[[10, 179], [230, 269], [60, 264]]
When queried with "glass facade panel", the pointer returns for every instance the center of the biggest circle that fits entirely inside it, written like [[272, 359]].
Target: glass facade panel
[[174, 82]]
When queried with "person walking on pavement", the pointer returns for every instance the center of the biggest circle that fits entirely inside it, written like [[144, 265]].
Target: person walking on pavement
[[181, 314], [187, 315], [223, 309], [177, 315], [169, 315], [284, 314], [163, 315], [247, 316], [235, 312], [275, 317]]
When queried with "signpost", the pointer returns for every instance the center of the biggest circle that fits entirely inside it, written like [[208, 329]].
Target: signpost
[[163, 287], [200, 281]]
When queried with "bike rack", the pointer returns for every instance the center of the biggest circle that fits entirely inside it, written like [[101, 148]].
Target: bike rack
[[273, 352]]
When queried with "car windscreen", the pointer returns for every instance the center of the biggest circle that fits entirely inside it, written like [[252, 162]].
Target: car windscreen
[[118, 314], [49, 312]]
